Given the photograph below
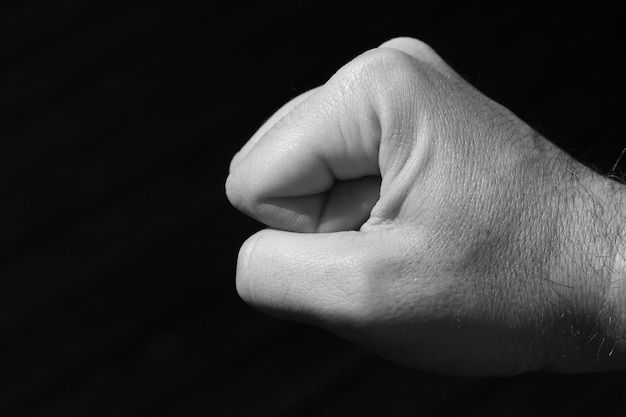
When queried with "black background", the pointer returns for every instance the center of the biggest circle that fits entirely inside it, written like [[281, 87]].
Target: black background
[[118, 246]]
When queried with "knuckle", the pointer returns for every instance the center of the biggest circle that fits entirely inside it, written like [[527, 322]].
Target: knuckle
[[383, 74], [377, 64], [232, 191], [244, 192], [239, 193], [408, 43]]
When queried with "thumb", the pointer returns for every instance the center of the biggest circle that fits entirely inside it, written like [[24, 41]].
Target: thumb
[[314, 278]]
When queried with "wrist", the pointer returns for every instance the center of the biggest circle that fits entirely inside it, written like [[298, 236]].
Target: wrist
[[616, 287], [592, 267]]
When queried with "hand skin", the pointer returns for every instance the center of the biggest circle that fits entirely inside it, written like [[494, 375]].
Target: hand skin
[[484, 249]]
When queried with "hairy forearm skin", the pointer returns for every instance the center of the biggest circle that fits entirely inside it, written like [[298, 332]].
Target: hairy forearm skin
[[615, 303], [591, 272]]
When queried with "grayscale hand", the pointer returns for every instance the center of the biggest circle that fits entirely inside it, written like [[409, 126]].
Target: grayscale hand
[[409, 213]]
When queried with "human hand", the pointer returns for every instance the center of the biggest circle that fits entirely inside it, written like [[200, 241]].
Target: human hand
[[414, 216]]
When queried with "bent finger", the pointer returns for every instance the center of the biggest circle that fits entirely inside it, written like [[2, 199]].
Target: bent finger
[[269, 123]]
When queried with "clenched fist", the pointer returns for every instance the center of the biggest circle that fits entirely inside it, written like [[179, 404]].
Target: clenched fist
[[411, 214]]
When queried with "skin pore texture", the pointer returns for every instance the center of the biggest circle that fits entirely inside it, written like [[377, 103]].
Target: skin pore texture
[[414, 216]]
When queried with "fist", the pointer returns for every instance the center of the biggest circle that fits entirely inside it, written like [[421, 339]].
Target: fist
[[411, 214]]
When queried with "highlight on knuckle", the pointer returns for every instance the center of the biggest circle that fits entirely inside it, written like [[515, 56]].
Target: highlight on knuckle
[[232, 191]]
